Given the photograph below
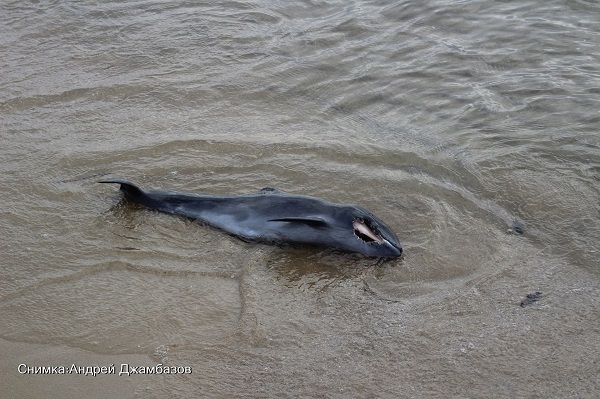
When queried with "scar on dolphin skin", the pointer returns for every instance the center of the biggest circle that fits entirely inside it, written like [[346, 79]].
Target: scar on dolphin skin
[[274, 217]]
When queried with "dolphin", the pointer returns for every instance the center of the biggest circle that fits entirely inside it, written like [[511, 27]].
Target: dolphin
[[272, 216]]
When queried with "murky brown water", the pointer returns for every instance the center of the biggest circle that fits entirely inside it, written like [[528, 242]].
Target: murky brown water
[[447, 119]]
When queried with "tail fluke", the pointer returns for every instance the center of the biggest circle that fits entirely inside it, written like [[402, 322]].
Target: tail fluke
[[131, 190]]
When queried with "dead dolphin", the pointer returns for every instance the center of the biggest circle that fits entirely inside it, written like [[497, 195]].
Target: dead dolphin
[[272, 216]]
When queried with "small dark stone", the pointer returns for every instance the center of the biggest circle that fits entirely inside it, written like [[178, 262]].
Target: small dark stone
[[518, 227], [531, 298]]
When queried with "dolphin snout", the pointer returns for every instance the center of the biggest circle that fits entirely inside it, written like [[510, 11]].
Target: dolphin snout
[[394, 249]]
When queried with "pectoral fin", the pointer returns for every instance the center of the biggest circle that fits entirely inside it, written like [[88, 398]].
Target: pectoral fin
[[311, 221]]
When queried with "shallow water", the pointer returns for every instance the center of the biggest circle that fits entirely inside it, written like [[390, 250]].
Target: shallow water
[[450, 120]]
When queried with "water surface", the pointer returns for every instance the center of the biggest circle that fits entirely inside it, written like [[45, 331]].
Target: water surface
[[450, 120]]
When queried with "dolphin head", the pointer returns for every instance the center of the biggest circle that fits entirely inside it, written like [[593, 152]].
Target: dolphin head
[[346, 227], [367, 234]]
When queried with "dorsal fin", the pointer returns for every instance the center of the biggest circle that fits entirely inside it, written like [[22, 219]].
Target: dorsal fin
[[309, 220]]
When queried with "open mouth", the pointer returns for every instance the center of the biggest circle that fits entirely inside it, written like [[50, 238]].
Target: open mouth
[[365, 231]]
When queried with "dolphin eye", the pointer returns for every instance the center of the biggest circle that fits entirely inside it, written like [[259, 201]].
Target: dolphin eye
[[365, 231]]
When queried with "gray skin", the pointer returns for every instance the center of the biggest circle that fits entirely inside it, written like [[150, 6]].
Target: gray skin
[[272, 216]]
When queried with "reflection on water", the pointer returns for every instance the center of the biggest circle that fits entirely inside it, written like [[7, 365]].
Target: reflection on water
[[452, 121]]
